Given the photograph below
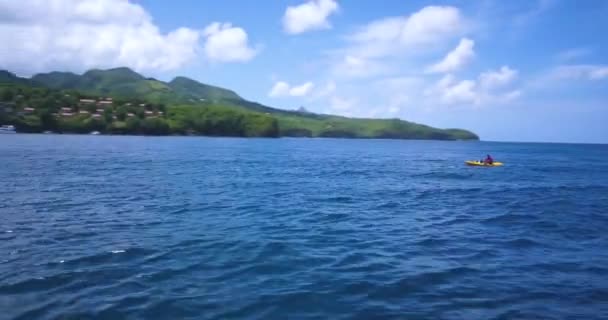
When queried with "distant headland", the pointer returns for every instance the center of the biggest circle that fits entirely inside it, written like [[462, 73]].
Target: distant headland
[[121, 101]]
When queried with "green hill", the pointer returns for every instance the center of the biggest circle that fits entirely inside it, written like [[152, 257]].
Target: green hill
[[57, 80], [9, 77], [199, 108], [126, 83], [118, 82], [191, 89]]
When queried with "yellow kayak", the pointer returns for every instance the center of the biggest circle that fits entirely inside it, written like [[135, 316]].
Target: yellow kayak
[[481, 164]]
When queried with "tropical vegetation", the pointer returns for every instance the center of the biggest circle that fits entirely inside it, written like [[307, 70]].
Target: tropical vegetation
[[121, 101]]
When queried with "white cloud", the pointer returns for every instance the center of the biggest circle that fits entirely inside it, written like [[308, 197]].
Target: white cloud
[[418, 95], [455, 59], [75, 35], [403, 83], [301, 90], [397, 102], [425, 28], [279, 89], [512, 95], [383, 97], [312, 15], [356, 67], [452, 91], [323, 92], [578, 72], [283, 89], [539, 8], [599, 73], [495, 79], [573, 54], [329, 89], [388, 45], [394, 110], [226, 43], [484, 91], [338, 103]]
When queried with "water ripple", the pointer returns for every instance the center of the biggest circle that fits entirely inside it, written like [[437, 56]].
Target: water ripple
[[183, 228]]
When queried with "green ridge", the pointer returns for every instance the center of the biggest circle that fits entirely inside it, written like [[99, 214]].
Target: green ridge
[[188, 106]]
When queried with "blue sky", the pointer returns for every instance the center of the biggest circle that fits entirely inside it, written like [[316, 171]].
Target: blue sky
[[509, 70]]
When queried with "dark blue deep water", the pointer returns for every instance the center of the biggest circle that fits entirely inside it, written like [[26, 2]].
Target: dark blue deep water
[[96, 227]]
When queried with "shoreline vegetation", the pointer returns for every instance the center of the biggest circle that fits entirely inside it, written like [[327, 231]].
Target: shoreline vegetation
[[121, 101]]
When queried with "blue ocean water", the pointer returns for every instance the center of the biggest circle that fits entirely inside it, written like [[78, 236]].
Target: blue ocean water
[[101, 227]]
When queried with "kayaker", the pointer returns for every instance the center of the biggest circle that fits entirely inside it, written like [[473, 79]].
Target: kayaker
[[488, 160]]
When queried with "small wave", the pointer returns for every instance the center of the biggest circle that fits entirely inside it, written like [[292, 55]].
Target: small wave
[[357, 287], [546, 225], [37, 284], [178, 211], [444, 175], [522, 243], [336, 216], [551, 189], [388, 205], [452, 222], [601, 271], [353, 173], [564, 267], [483, 254], [509, 218], [432, 242], [420, 282], [113, 255], [350, 259], [459, 192], [560, 169], [335, 199]]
